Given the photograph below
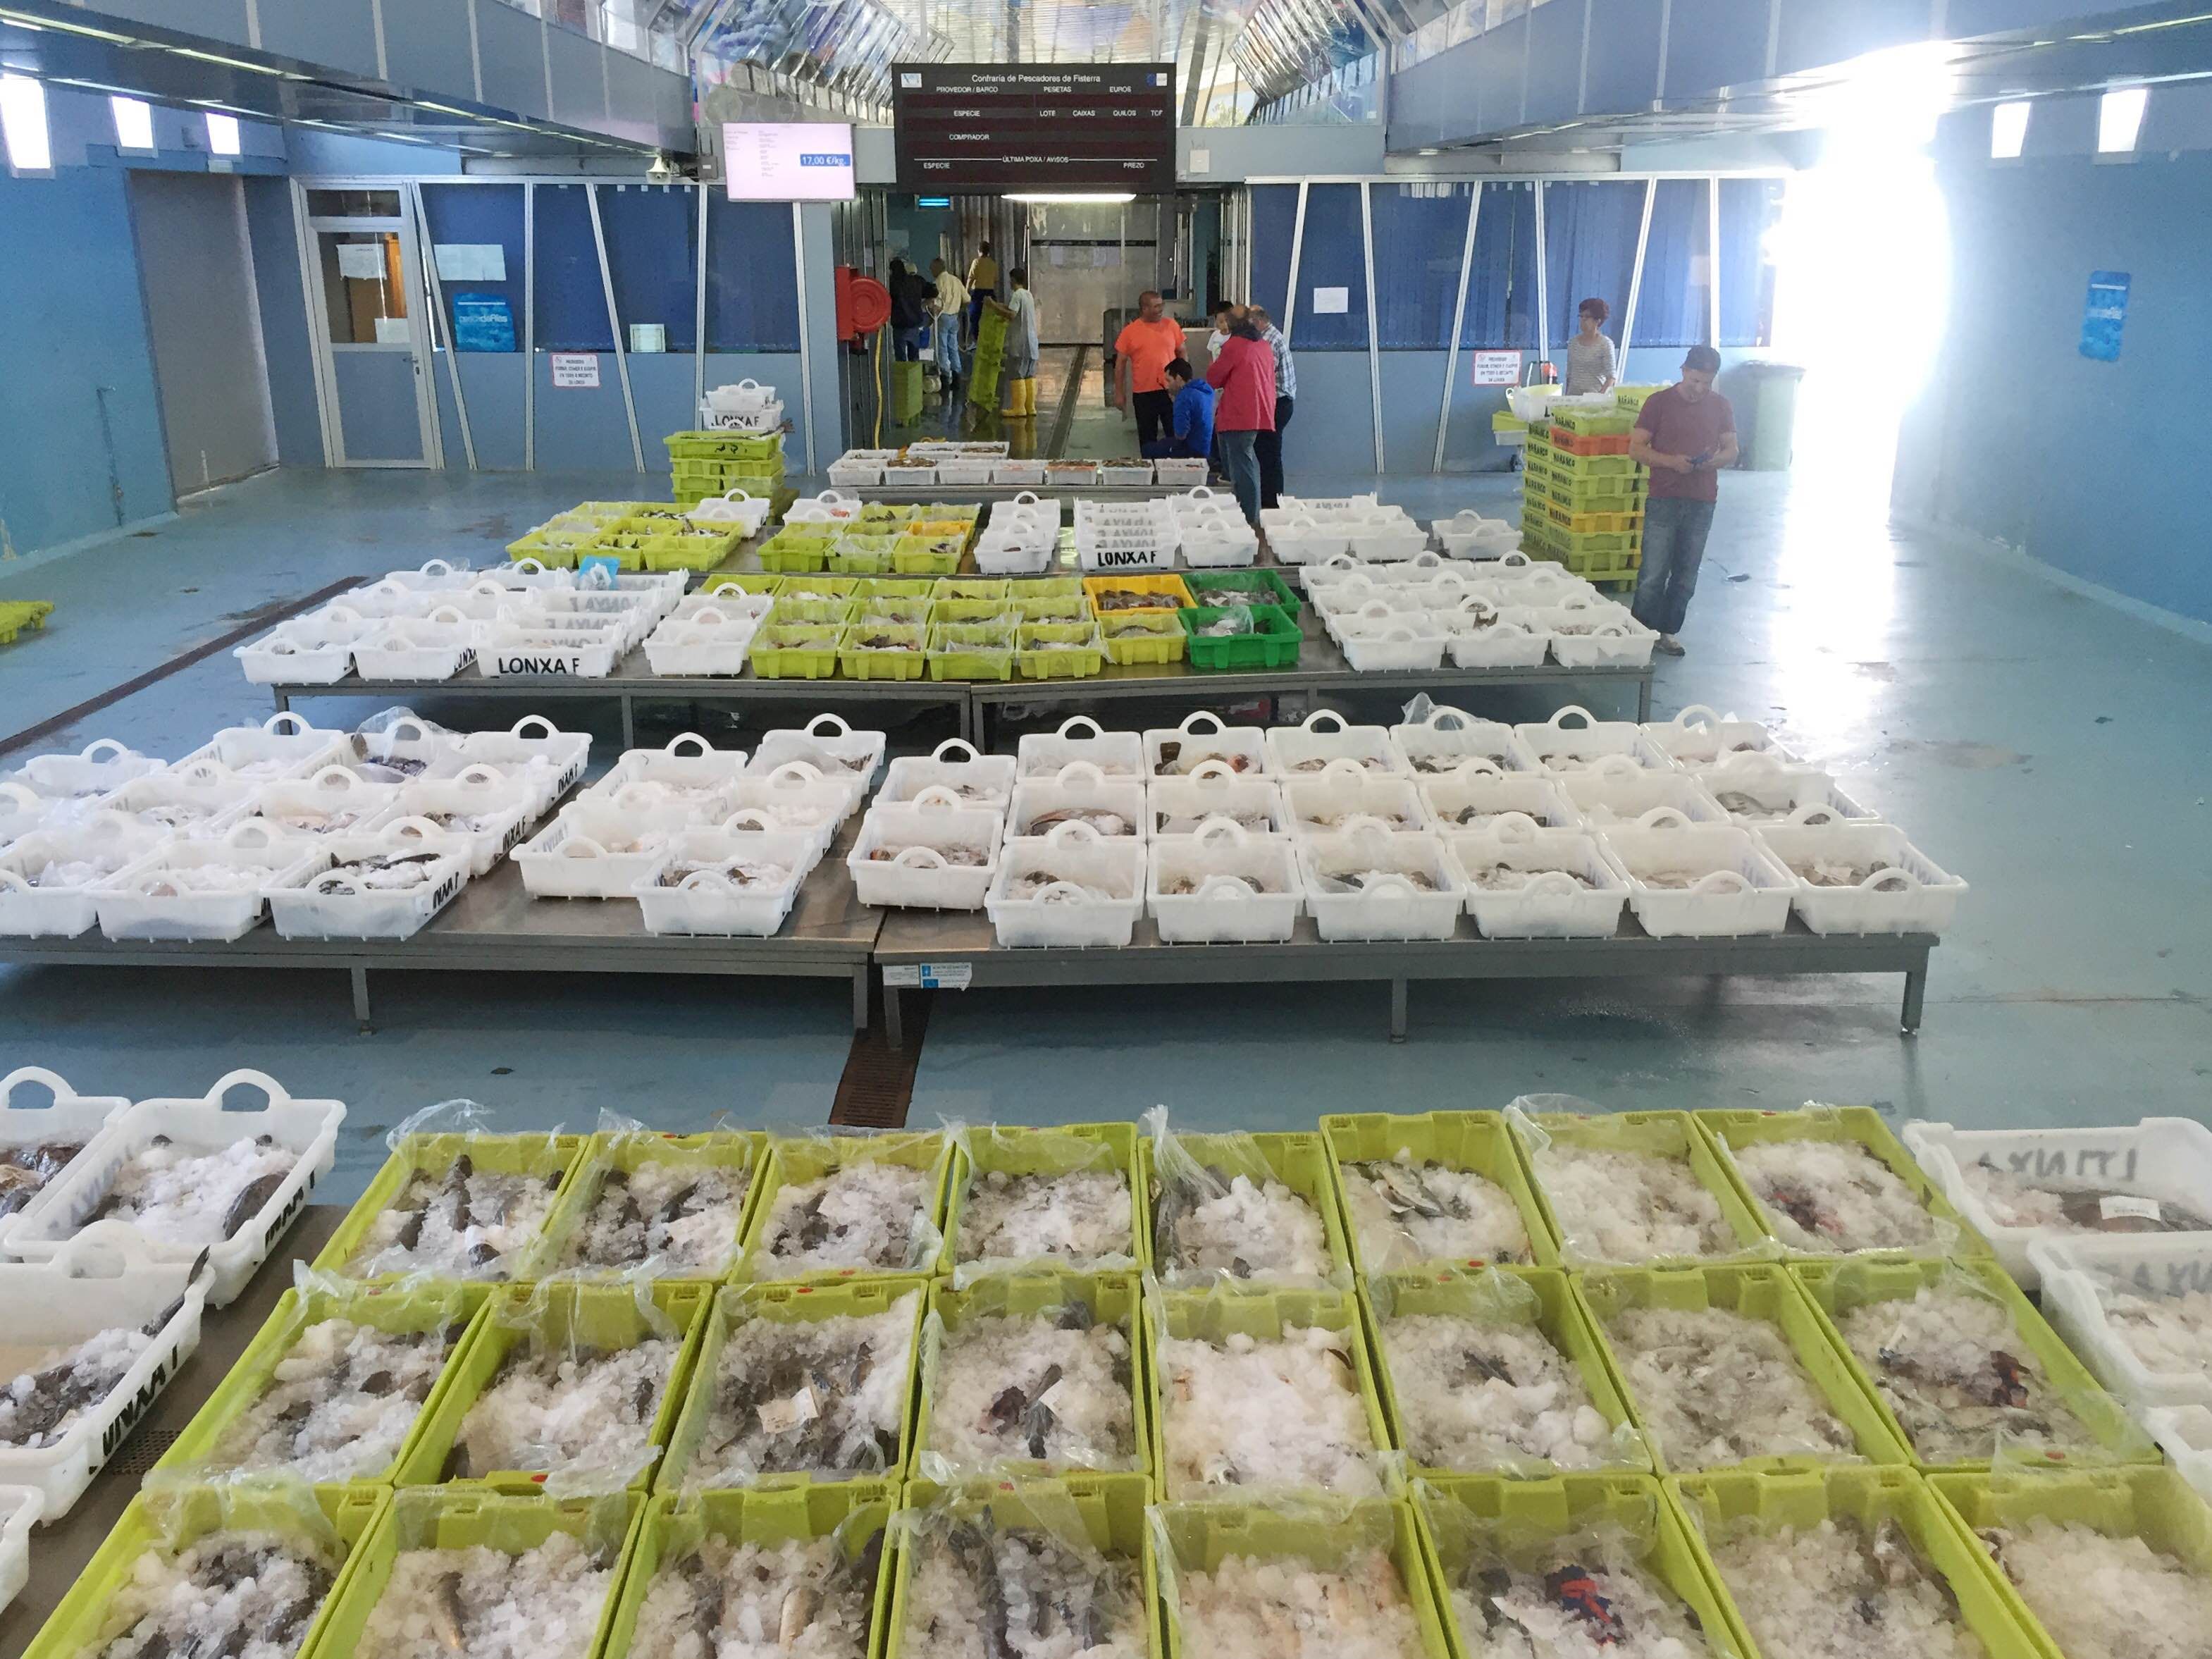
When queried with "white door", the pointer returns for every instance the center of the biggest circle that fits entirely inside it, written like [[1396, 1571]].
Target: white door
[[369, 316]]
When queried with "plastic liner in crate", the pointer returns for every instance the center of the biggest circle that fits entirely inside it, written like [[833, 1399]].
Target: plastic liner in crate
[[975, 779], [1737, 1434], [1866, 1209], [156, 897], [1070, 888], [1177, 751], [282, 746], [385, 884], [1760, 793], [1726, 1507], [2044, 1406], [72, 1409], [1617, 789], [1584, 1425], [288, 1145], [1079, 737], [2013, 1186], [1381, 1216], [1475, 792], [1368, 882], [1205, 1177], [1079, 793], [1699, 880], [932, 852], [992, 1154], [1344, 794], [398, 745], [49, 878], [727, 882], [2127, 1305], [1863, 879], [828, 745], [100, 1611], [479, 804], [971, 1442], [1484, 1537], [1222, 884], [1524, 881], [387, 1237], [591, 1235]]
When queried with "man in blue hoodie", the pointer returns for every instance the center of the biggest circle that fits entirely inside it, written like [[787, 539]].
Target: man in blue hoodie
[[1192, 417]]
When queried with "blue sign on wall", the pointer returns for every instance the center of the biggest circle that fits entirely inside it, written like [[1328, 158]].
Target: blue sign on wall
[[482, 322], [2105, 315]]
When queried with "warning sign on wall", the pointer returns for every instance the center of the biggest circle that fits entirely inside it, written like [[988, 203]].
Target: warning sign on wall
[[1497, 368], [576, 369]]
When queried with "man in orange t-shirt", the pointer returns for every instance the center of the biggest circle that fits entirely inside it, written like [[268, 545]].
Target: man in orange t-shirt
[[1142, 351]]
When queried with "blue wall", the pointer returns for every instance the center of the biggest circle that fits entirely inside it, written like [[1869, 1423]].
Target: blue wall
[[2094, 468]]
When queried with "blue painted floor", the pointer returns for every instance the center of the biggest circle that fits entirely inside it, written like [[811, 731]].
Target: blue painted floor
[[2048, 749]]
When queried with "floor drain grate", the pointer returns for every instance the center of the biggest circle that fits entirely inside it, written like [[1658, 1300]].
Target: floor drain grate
[[878, 1086]]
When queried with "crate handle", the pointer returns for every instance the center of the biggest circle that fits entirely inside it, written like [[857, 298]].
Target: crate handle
[[1080, 771], [1343, 769], [52, 1082], [1218, 887], [1721, 882], [249, 833], [1813, 815], [12, 883], [794, 774], [754, 819], [1892, 873], [533, 725], [1615, 766], [106, 1245], [413, 827], [527, 566], [1516, 829], [1476, 766], [1072, 832], [1558, 721], [919, 857], [206, 773], [1697, 716], [275, 1093], [967, 751], [701, 747], [1664, 817], [1551, 884], [102, 748], [836, 725], [288, 720], [578, 845], [1443, 717], [1361, 825], [1311, 722], [1390, 885], [22, 795], [1211, 767], [1214, 827], [938, 798]]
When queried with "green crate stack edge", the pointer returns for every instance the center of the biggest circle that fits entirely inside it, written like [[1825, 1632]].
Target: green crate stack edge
[[704, 464], [1424, 1133], [1554, 477]]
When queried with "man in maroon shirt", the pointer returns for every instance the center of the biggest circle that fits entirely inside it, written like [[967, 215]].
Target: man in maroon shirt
[[1685, 435]]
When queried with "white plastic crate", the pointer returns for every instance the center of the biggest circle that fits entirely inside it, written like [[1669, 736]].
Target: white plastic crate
[[1610, 641], [599, 850], [1180, 471], [330, 904], [974, 779], [686, 762], [741, 507], [1220, 542], [2074, 1269], [1905, 893], [306, 1128], [832, 747], [1325, 737], [1760, 792], [2184, 1433], [726, 599], [629, 616], [2164, 1160], [511, 650], [1305, 540], [385, 600], [1617, 789], [1078, 786], [1395, 642], [1093, 901], [498, 810], [106, 1281], [1698, 737], [965, 472], [852, 475], [203, 799], [1477, 791], [1079, 737], [1574, 739], [533, 748], [708, 902], [336, 800], [1178, 806], [37, 901], [1513, 640], [1552, 903], [1220, 862], [63, 1117], [796, 797], [399, 744], [19, 1510], [756, 422], [23, 810], [434, 576], [708, 644], [1735, 886], [282, 746], [916, 836], [1024, 474], [747, 396], [997, 555], [137, 902], [1383, 541], [1411, 889], [316, 649], [831, 506], [99, 768], [1198, 738], [1343, 791], [1468, 535]]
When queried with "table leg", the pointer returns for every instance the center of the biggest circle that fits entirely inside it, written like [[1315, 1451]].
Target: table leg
[[893, 1019], [860, 998], [1915, 994], [1397, 1011], [283, 702], [360, 976], [1643, 697], [630, 723]]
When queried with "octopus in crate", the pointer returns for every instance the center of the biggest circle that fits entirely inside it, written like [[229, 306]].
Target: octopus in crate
[[2101, 1595], [1184, 886], [1125, 598], [1104, 820], [1258, 1412], [680, 1216], [1177, 760], [1839, 1591], [479, 1603], [459, 1221], [1510, 878], [382, 872], [1128, 627], [752, 875], [1051, 1388], [175, 1195], [1845, 872], [959, 857], [886, 642], [1479, 1396], [1716, 1386], [864, 1214], [1078, 1219], [2014, 1200], [1440, 761], [1823, 1196], [339, 1405], [1236, 1227], [1167, 824], [1404, 1214], [248, 1595], [553, 1406], [1328, 818], [984, 1590], [1314, 763], [1046, 886], [25, 1169], [723, 1600], [1580, 1599], [1617, 1205], [1252, 1606], [1358, 881]]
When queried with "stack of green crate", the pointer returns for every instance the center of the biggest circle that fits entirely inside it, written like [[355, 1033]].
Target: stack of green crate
[[16, 615], [1580, 509], [715, 463]]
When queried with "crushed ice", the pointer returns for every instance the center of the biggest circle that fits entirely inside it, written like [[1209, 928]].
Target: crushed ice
[[1713, 1386], [867, 1213], [1257, 1608], [1478, 1396], [980, 1591], [1238, 1228], [2102, 1597], [1834, 1591], [459, 1222], [1405, 1213], [1822, 1195], [1076, 1220], [482, 1603], [338, 1404], [1271, 1412], [725, 1600], [681, 1214], [178, 1196], [1052, 1387], [1619, 1205], [243, 1595], [556, 1408]]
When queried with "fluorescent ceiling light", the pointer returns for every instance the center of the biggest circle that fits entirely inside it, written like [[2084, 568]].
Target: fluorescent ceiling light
[[134, 123], [23, 124], [222, 134], [2119, 119], [1103, 197]]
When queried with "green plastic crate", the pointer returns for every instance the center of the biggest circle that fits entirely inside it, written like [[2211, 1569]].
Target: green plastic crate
[[811, 1159], [891, 608], [1197, 1537], [1459, 1513], [1109, 1509], [1564, 466], [796, 650], [1835, 1288], [1728, 1130], [721, 446], [1264, 1315], [787, 1302], [602, 1316], [922, 555], [1138, 638], [997, 588], [554, 555], [1606, 493], [78, 1625], [1273, 642], [459, 1517], [861, 663], [1059, 651], [1051, 607], [541, 1154], [1635, 397], [985, 1148], [1474, 1141], [631, 1152], [1114, 1298], [898, 587], [1550, 1306], [742, 582], [1668, 1133], [861, 555], [854, 1511], [1300, 1162], [819, 589], [1759, 1290], [997, 612], [450, 1305], [2156, 1506], [1714, 1503], [970, 651], [1593, 422], [797, 550], [1204, 585]]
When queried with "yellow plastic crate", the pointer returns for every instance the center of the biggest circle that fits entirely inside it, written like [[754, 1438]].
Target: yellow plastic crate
[[1008, 1149], [1860, 1125], [631, 1152], [1666, 1133], [554, 1156], [811, 1159], [1476, 1142], [1300, 1162]]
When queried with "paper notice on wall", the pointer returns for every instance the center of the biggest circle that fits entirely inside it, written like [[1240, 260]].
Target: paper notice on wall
[[1497, 368], [1331, 301], [391, 331], [577, 370], [361, 259], [1202, 160], [471, 261]]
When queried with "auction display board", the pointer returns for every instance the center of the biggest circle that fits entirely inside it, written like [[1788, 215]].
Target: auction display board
[[1034, 126]]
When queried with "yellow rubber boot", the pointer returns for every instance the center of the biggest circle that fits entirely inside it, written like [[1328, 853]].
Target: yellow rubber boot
[[1029, 395]]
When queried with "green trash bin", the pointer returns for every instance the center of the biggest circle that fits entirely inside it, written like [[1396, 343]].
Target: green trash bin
[[1773, 414], [906, 393]]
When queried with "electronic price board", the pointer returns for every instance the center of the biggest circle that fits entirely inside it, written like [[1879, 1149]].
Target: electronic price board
[[965, 128]]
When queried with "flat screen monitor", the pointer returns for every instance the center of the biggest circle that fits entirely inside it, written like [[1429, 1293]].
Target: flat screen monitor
[[788, 161], [1041, 127]]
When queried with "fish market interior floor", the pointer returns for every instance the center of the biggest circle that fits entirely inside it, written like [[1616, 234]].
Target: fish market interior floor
[[2048, 747]]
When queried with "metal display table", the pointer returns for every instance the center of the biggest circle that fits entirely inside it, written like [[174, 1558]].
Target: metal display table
[[953, 950], [496, 927], [60, 1552]]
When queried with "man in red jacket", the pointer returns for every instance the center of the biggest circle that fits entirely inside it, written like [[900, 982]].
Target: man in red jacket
[[1242, 375]]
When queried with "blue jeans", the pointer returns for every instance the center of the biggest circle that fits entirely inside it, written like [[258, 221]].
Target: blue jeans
[[1240, 457], [1674, 533], [906, 343]]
